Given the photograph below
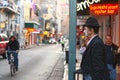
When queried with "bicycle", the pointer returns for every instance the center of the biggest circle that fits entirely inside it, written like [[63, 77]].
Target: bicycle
[[11, 62]]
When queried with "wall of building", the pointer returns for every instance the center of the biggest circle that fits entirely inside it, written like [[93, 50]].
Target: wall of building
[[3, 20], [20, 23], [115, 29], [8, 19], [59, 15], [119, 21], [64, 14], [107, 29], [110, 24], [27, 10]]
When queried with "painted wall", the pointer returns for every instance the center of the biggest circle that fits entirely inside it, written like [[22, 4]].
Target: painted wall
[[27, 10]]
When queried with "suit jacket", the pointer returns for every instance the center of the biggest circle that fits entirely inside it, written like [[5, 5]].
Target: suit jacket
[[13, 45], [94, 60], [115, 55]]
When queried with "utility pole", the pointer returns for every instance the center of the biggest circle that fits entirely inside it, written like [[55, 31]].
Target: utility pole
[[72, 38]]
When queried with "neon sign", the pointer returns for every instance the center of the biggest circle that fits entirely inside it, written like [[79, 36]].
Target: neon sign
[[104, 9], [85, 4]]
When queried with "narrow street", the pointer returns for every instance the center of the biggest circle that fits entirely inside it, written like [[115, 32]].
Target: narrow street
[[35, 64]]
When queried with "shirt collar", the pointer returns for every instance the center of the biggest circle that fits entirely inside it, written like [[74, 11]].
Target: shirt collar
[[91, 39]]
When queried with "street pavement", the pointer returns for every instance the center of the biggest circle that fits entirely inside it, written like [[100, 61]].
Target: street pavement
[[57, 73], [44, 62], [78, 57], [60, 72], [36, 63]]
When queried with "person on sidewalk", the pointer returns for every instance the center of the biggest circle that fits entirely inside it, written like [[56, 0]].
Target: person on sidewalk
[[93, 65], [13, 45], [62, 43], [112, 56]]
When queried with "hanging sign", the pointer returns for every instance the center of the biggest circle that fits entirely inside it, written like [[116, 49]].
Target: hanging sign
[[85, 4], [104, 9]]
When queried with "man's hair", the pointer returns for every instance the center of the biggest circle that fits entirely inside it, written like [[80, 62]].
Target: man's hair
[[96, 29], [13, 37]]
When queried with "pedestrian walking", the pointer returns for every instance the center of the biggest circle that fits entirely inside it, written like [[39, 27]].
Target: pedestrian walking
[[26, 43], [13, 45], [112, 56], [93, 65], [62, 43]]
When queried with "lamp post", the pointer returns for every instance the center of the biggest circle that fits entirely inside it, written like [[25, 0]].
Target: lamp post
[[72, 40]]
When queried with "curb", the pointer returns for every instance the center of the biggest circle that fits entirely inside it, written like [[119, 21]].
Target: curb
[[32, 46]]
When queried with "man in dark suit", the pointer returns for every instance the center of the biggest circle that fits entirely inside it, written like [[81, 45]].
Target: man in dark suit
[[93, 65]]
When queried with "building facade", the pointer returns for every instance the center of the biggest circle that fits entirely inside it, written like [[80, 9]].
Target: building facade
[[12, 19], [63, 17], [9, 12], [32, 24]]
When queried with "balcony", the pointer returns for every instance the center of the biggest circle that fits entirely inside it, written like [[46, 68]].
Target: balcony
[[8, 7]]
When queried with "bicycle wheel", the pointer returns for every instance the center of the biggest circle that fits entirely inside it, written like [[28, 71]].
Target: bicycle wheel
[[12, 69]]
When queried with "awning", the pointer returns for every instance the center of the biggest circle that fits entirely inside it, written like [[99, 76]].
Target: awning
[[36, 31], [32, 24]]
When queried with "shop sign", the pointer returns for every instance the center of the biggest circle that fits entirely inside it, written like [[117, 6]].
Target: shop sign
[[2, 25], [85, 4], [104, 9], [30, 29], [46, 33]]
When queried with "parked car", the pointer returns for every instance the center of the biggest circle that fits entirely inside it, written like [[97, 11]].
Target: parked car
[[52, 41], [3, 43]]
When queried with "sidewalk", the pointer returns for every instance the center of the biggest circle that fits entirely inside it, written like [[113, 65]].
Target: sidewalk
[[58, 70], [32, 46], [57, 73], [79, 57], [61, 69]]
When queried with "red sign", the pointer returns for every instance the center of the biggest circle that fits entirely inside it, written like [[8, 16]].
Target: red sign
[[104, 9]]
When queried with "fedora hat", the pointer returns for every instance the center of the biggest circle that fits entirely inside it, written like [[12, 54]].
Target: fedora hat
[[91, 22]]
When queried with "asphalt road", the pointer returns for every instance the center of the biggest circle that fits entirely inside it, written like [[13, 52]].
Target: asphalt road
[[35, 64]]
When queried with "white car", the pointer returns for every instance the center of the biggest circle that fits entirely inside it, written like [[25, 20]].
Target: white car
[[52, 41]]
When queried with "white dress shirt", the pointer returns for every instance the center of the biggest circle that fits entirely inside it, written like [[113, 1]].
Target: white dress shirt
[[91, 39]]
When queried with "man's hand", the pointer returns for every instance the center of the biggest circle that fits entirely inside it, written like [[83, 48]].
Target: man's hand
[[17, 51], [118, 51], [6, 51]]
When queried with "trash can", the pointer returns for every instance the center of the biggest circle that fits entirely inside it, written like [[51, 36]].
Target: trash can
[[78, 75], [46, 41], [67, 54]]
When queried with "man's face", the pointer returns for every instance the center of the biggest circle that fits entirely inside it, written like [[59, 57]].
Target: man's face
[[12, 39], [89, 31], [108, 40]]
